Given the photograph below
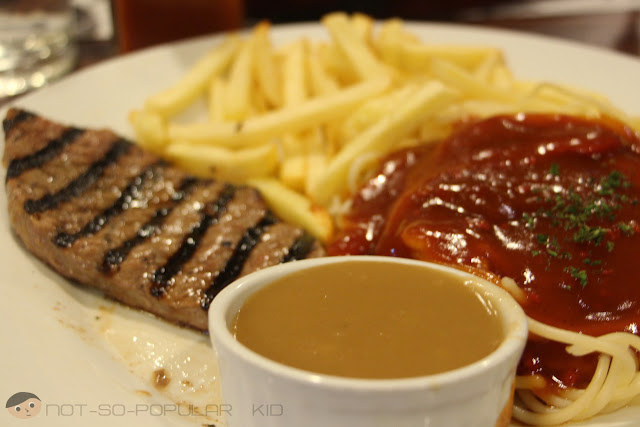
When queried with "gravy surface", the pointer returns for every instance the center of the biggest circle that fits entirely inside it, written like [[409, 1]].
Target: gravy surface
[[369, 320]]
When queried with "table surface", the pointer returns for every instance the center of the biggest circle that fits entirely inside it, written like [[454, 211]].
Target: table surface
[[616, 30]]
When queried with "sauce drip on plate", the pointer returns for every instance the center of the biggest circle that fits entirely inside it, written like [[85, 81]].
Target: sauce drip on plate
[[550, 201]]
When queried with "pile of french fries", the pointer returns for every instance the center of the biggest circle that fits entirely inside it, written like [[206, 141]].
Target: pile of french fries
[[306, 122]]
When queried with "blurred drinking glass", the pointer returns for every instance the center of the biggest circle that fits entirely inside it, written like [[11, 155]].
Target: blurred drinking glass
[[142, 23], [36, 43]]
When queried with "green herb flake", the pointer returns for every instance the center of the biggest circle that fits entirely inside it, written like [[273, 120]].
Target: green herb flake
[[626, 229], [529, 220], [579, 275], [587, 214], [586, 234]]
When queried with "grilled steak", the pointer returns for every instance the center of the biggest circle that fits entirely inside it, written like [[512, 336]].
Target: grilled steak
[[107, 214]]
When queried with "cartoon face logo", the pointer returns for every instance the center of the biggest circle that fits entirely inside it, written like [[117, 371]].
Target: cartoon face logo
[[24, 405]]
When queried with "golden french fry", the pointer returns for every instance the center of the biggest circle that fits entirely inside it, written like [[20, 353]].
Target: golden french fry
[[334, 61], [292, 172], [316, 164], [217, 90], [195, 81], [380, 137], [394, 29], [294, 85], [403, 50], [360, 56], [317, 158], [295, 208], [257, 130], [390, 42], [502, 77], [259, 103], [372, 111], [363, 26], [291, 146], [223, 163], [238, 91], [320, 81], [150, 129], [468, 84], [311, 119], [487, 67], [265, 66], [416, 57]]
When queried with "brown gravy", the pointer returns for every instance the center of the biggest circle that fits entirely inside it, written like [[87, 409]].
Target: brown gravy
[[369, 320]]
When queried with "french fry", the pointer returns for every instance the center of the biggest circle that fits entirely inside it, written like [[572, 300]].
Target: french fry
[[194, 83], [259, 103], [403, 50], [293, 207], [292, 171], [358, 54], [309, 120], [381, 137], [294, 89], [265, 66], [223, 163], [217, 90], [372, 111], [334, 61], [291, 145], [502, 77], [316, 160], [389, 43], [415, 56], [238, 91], [394, 29], [259, 129], [150, 129], [320, 81], [470, 85], [363, 26]]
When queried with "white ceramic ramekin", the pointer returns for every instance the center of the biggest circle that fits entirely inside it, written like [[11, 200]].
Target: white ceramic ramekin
[[265, 393]]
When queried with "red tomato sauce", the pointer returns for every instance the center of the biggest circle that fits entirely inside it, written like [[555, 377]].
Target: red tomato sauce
[[550, 201]]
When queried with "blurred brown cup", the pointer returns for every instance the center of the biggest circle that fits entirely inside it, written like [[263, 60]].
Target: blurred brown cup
[[143, 23]]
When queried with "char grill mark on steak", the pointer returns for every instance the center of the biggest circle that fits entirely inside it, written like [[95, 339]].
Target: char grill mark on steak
[[40, 157], [163, 276], [114, 257], [233, 267], [300, 248], [130, 194], [79, 185], [120, 257], [19, 117]]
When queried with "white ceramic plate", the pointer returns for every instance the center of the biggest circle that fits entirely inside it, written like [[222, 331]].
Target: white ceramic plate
[[93, 362]]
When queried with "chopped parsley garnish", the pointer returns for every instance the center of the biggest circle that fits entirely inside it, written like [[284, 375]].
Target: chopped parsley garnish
[[625, 228], [590, 220], [586, 234], [579, 275]]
